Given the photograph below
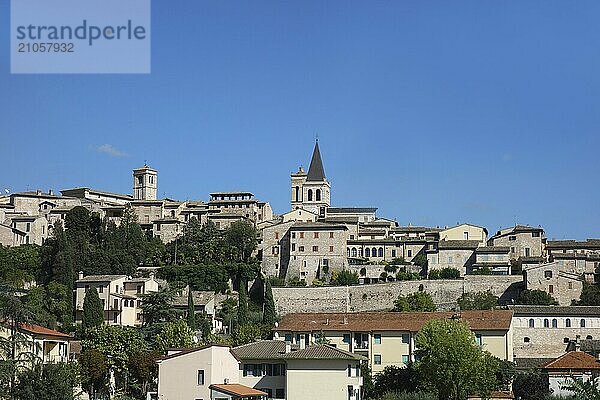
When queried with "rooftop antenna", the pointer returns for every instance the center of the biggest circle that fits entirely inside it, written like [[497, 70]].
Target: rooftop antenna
[[146, 162]]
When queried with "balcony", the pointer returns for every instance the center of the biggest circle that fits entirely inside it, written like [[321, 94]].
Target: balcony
[[363, 345]]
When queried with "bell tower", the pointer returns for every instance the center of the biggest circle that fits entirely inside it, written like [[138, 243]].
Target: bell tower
[[144, 183], [311, 191]]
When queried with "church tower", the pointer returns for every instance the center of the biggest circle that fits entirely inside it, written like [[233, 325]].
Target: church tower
[[311, 191], [144, 183]]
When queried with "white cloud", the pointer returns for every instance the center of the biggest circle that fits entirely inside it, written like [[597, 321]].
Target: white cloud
[[110, 150]]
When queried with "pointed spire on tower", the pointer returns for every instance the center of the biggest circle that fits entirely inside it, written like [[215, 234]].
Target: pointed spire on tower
[[316, 173]]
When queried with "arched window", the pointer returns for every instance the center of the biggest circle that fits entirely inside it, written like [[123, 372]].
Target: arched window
[[318, 195], [582, 323], [381, 252], [531, 323], [374, 252], [309, 194], [546, 323], [554, 323], [367, 252], [360, 252], [297, 193], [589, 337], [354, 252], [348, 251], [568, 322], [526, 339]]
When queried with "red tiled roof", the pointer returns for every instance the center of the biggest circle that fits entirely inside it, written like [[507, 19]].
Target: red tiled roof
[[489, 320], [40, 330], [577, 360], [236, 389]]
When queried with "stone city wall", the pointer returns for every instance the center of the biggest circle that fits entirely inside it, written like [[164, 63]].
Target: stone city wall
[[381, 296]]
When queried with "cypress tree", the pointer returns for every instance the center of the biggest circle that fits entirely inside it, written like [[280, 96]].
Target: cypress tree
[[242, 314], [269, 316], [191, 317], [93, 312]]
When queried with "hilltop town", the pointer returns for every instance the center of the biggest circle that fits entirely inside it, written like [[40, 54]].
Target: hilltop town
[[224, 299]]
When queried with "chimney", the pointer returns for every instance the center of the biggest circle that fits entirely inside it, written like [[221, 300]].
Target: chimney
[[38, 192], [577, 343], [50, 192], [80, 275], [302, 343]]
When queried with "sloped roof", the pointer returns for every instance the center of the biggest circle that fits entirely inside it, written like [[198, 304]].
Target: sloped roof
[[42, 331], [489, 320], [316, 173], [458, 244], [235, 389], [574, 360], [584, 311], [101, 278], [322, 352], [261, 350], [350, 210]]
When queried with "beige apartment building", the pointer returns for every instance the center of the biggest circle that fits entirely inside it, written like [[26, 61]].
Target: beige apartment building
[[523, 241], [388, 338], [47, 345], [120, 296], [272, 367]]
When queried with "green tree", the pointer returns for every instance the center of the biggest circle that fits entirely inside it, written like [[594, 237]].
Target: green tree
[[269, 316], [396, 379], [418, 301], [477, 301], [46, 382], [531, 385], [244, 334], [94, 371], [444, 273], [93, 311], [536, 297], [421, 260], [242, 311], [191, 314], [157, 307], [450, 362], [587, 390], [296, 282], [344, 278], [143, 371], [175, 334], [241, 238], [590, 295], [20, 265], [205, 326]]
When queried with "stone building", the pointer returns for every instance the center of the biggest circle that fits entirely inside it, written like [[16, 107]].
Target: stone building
[[457, 254], [545, 331], [523, 241], [495, 258], [311, 191], [562, 283]]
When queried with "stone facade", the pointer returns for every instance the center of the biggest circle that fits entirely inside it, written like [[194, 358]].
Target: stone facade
[[457, 254], [554, 278], [523, 241], [545, 331], [382, 296]]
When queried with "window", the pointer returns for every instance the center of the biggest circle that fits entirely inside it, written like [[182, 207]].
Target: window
[[115, 320], [570, 285], [589, 337], [331, 249], [326, 262], [353, 251], [466, 235], [349, 370], [546, 323], [309, 194], [393, 253], [377, 337], [531, 323], [535, 234], [275, 250], [101, 289], [300, 248], [116, 304], [547, 274], [377, 359], [316, 235], [374, 252], [568, 323], [582, 323], [512, 250], [276, 235], [28, 227], [367, 252], [550, 289], [527, 251], [405, 338], [268, 391], [512, 238], [351, 237], [315, 248], [279, 394], [526, 339], [405, 359], [318, 195], [293, 246], [293, 235], [346, 338], [138, 289], [566, 340], [409, 253], [479, 339], [554, 323], [288, 337], [380, 252], [330, 235], [200, 377], [301, 235]]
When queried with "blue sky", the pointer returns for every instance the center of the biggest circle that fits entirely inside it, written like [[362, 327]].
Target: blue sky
[[435, 112]]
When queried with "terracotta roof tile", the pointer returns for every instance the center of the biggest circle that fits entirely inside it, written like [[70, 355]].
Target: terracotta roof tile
[[40, 330], [236, 389], [489, 320], [577, 360]]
